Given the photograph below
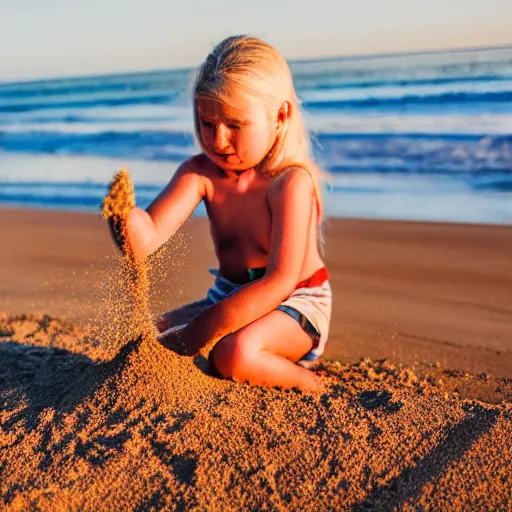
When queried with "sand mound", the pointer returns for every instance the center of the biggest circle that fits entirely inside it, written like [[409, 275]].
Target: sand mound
[[149, 429]]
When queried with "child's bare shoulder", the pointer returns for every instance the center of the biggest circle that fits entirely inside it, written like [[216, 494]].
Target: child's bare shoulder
[[201, 165], [293, 180]]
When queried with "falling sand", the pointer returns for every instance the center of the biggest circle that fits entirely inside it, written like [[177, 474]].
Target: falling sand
[[111, 420], [134, 273]]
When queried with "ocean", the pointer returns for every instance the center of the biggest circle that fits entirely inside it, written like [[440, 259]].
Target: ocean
[[424, 136]]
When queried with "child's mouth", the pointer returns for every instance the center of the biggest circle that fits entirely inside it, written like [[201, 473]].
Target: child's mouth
[[230, 158]]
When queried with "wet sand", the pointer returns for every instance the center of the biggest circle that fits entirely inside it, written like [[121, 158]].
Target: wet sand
[[428, 425]]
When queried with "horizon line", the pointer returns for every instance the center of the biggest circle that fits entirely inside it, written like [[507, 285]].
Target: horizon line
[[298, 60]]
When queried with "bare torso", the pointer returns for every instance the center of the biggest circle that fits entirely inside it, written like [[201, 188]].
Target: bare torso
[[241, 222]]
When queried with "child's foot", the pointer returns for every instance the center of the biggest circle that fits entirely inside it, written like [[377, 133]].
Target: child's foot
[[310, 365], [313, 384]]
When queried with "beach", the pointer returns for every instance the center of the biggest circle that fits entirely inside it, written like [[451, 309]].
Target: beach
[[405, 291], [415, 406], [417, 398]]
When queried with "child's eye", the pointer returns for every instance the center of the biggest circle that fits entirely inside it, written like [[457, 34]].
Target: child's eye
[[207, 124], [234, 126]]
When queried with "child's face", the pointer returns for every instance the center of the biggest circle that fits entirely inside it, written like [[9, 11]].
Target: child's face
[[237, 133]]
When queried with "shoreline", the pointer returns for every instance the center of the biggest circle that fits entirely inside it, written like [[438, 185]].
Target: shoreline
[[93, 212], [371, 196], [403, 290]]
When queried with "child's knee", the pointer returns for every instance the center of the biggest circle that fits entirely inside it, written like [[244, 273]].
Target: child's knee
[[233, 356]]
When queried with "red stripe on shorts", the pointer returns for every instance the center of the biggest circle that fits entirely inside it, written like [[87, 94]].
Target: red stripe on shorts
[[317, 279]]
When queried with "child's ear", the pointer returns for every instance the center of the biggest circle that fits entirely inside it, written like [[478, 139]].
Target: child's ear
[[284, 112]]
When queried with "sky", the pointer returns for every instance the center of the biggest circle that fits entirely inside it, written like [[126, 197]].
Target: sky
[[52, 38]]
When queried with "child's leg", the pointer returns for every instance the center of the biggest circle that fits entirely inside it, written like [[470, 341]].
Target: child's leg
[[264, 353], [181, 315]]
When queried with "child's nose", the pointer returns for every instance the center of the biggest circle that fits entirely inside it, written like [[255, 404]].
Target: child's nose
[[222, 138]]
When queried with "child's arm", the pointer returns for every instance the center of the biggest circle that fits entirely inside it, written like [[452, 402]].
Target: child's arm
[[148, 230], [290, 202]]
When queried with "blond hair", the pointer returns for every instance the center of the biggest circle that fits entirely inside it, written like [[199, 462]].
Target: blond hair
[[257, 68]]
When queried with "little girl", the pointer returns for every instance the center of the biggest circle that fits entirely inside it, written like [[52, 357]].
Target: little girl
[[270, 305]]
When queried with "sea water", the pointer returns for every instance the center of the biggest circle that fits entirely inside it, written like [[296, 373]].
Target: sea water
[[424, 136]]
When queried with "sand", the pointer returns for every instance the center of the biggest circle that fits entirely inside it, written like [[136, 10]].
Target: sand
[[92, 425], [406, 291]]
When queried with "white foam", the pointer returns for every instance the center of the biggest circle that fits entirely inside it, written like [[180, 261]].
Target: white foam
[[396, 92], [46, 168], [487, 123]]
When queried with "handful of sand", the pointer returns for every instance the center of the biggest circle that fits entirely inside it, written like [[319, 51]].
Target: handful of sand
[[120, 198], [117, 204]]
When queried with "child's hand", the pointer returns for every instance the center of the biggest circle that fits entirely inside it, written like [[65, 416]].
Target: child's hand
[[162, 324], [176, 339]]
